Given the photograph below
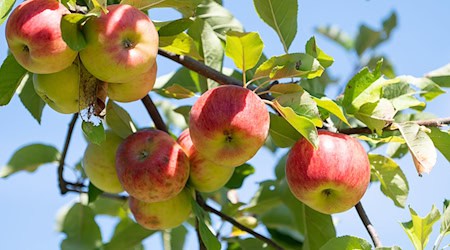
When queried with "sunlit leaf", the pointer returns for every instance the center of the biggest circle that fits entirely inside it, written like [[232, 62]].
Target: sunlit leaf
[[441, 141], [287, 88], [430, 89], [419, 228], [244, 49], [445, 224], [181, 44], [6, 7], [347, 243], [281, 16], [186, 7], [393, 182], [402, 96], [177, 91], [29, 158], [332, 107], [375, 140], [312, 49], [376, 115], [246, 220], [303, 104], [31, 100], [220, 19], [282, 132], [12, 76]]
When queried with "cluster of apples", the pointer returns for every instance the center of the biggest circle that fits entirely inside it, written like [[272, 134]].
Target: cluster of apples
[[121, 49]]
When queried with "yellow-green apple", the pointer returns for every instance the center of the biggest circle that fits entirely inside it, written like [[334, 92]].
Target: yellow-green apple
[[331, 179], [99, 163], [121, 44], [135, 89], [164, 214], [151, 165], [60, 90], [34, 37], [228, 125], [205, 175]]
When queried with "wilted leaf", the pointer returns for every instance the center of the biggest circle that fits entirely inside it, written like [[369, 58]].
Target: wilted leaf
[[420, 145], [347, 243], [94, 133], [337, 35], [441, 141], [29, 158], [393, 182], [244, 49], [12, 76], [281, 15], [313, 50], [419, 228], [282, 133], [31, 100], [239, 175], [118, 119]]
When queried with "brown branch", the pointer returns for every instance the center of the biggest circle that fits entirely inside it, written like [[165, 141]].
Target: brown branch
[[235, 223], [62, 183], [154, 114], [427, 123], [368, 225]]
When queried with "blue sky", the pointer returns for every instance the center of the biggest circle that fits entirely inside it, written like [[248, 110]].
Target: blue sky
[[420, 44]]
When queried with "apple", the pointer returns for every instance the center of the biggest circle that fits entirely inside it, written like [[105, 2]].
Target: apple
[[331, 179], [164, 214], [133, 90], [121, 44], [33, 35], [99, 163], [151, 165], [60, 90], [205, 175], [228, 125]]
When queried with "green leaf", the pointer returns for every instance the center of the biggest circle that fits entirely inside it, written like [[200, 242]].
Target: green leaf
[[367, 38], [392, 179], [314, 50], [281, 15], [332, 107], [347, 243], [441, 141], [32, 101], [285, 88], [176, 91], [237, 243], [12, 76], [127, 235], [441, 76], [181, 44], [209, 239], [175, 27], [118, 119], [184, 111], [94, 133], [420, 146], [282, 132], [389, 24], [376, 115], [419, 228], [402, 96], [93, 192], [265, 198], [283, 227], [430, 89], [71, 31], [387, 69], [186, 7], [219, 19], [303, 105], [337, 35], [108, 206], [29, 158], [289, 65], [173, 239], [244, 48], [82, 232], [182, 77], [388, 248], [6, 7], [239, 175], [303, 125], [445, 225]]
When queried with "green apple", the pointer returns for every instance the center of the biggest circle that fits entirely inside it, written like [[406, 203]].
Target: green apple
[[34, 37], [99, 163], [205, 175], [164, 214], [121, 44], [60, 90], [331, 179], [133, 90]]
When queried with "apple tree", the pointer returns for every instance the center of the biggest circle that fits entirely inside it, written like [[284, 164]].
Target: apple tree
[[86, 58]]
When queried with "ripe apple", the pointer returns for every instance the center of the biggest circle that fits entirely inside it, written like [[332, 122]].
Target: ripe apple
[[205, 175], [164, 214], [34, 37], [331, 179], [99, 163], [151, 165], [121, 44], [228, 125], [60, 90], [135, 89]]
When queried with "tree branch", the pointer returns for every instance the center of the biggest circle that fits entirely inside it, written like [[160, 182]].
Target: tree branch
[[154, 114], [368, 225], [62, 183], [235, 223]]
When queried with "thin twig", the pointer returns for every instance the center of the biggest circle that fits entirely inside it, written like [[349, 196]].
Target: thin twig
[[235, 223], [368, 225], [154, 114], [62, 183]]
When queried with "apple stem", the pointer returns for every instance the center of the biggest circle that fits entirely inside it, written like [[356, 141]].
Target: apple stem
[[369, 227], [154, 114]]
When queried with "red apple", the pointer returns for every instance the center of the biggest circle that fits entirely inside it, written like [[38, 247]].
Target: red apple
[[164, 214], [34, 37], [331, 179], [205, 175], [228, 125], [121, 44], [151, 166]]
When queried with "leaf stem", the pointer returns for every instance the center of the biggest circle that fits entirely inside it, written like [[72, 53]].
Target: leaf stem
[[369, 227]]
